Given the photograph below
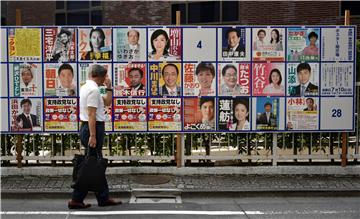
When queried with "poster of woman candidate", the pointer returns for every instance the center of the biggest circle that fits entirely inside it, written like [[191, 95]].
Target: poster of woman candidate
[[130, 114], [337, 79], [129, 44], [24, 44], [268, 44], [130, 79], [337, 44], [199, 79], [59, 44], [60, 79], [61, 114], [25, 79], [234, 79], [234, 114], [302, 113], [303, 44], [164, 79], [268, 79], [26, 114], [95, 44], [164, 44], [164, 114]]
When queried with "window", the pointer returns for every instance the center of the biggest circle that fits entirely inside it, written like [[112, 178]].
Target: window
[[206, 12], [353, 6], [78, 13]]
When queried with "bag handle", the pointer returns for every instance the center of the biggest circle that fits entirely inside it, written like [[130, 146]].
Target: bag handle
[[98, 156]]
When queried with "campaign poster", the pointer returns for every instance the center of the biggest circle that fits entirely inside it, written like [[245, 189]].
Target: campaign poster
[[199, 114], [303, 79], [4, 115], [268, 113], [268, 79], [303, 44], [164, 44], [233, 43], [4, 80], [26, 114], [268, 44], [337, 79], [24, 44], [3, 50], [164, 79], [164, 114], [234, 79], [25, 79], [129, 44], [60, 79], [199, 44], [337, 113], [130, 114], [130, 79], [83, 76], [337, 44], [302, 113], [59, 44], [234, 114], [95, 44], [61, 114], [199, 79]]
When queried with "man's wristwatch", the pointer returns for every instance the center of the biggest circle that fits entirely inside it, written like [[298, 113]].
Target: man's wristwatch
[[109, 89]]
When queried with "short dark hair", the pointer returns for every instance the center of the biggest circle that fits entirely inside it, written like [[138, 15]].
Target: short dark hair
[[277, 71], [226, 67], [23, 101], [309, 98], [206, 99], [203, 66], [137, 69], [101, 32], [64, 67], [232, 30], [313, 34], [261, 30], [97, 71], [157, 33], [64, 31], [303, 66], [170, 64], [137, 32], [267, 104]]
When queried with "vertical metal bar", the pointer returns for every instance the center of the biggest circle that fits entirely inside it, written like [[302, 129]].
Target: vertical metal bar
[[172, 143], [302, 141], [265, 141], [62, 145], [154, 143], [274, 151], [163, 145], [310, 147]]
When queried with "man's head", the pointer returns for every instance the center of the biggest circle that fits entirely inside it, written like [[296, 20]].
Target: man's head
[[27, 75], [261, 34], [229, 74], [135, 75], [205, 73], [267, 107], [303, 73], [207, 109], [64, 36], [310, 103], [170, 74], [66, 75], [233, 37], [26, 104], [133, 37], [98, 74]]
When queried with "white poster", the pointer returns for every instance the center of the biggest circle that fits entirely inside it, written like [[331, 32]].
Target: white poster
[[199, 44], [4, 115], [25, 79], [337, 79], [337, 113], [4, 81], [3, 51], [337, 44], [302, 113]]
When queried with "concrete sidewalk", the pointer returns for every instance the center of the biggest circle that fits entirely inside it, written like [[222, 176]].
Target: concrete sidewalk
[[50, 181]]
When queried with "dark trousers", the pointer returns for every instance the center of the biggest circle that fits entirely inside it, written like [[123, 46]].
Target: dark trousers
[[78, 194]]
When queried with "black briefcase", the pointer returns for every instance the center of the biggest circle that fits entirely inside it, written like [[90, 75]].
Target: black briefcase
[[89, 173]]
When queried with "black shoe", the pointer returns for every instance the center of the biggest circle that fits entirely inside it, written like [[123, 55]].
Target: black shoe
[[109, 202], [77, 205]]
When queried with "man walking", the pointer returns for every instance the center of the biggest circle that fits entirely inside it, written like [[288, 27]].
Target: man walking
[[92, 116]]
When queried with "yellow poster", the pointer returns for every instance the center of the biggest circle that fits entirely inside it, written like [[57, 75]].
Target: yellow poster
[[24, 44]]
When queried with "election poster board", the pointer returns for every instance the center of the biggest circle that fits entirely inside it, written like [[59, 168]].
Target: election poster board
[[181, 78]]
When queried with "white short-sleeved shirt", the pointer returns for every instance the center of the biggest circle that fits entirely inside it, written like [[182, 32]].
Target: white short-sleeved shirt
[[90, 96]]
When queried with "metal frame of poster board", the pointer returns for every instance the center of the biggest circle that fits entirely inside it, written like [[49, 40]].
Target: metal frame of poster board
[[182, 62]]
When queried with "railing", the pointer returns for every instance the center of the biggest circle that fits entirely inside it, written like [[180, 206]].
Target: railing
[[198, 148]]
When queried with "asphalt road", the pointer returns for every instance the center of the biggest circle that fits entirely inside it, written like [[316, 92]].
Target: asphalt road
[[191, 206]]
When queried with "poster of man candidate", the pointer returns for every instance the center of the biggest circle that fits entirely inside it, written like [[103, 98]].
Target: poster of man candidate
[[59, 44], [130, 79]]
